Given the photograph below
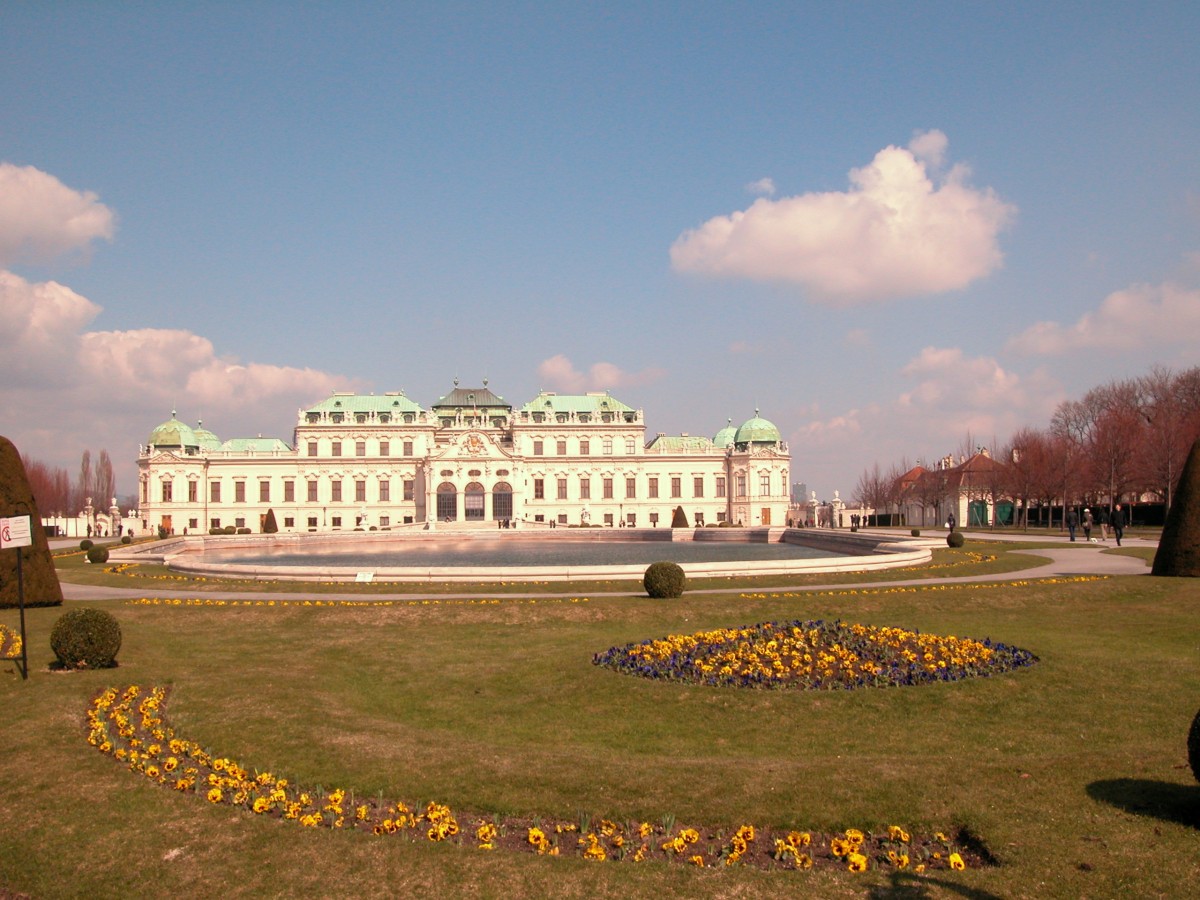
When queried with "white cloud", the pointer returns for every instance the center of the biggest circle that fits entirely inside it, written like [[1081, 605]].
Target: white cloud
[[68, 389], [764, 187], [1138, 317], [559, 373], [893, 234], [41, 218]]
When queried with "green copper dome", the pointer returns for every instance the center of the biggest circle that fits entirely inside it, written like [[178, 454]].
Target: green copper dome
[[725, 436], [757, 431], [205, 439], [173, 434]]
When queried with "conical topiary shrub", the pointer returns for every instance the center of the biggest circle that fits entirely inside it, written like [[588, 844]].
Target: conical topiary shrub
[[37, 568], [1179, 549]]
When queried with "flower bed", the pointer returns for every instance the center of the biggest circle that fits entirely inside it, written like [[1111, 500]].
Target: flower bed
[[813, 655], [10, 643], [130, 726]]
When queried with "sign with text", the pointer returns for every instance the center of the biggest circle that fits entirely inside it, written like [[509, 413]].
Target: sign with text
[[15, 532]]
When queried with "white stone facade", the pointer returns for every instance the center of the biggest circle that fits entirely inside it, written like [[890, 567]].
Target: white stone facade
[[384, 462]]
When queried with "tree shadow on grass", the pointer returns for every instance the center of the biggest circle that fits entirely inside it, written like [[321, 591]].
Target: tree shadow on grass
[[906, 886], [1179, 803]]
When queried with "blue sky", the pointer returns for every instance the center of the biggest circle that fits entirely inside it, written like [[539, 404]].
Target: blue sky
[[892, 228]]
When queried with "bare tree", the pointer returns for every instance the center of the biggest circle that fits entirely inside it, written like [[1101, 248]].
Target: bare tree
[[86, 483], [106, 485]]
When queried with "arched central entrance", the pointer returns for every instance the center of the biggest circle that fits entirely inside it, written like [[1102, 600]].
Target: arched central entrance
[[502, 501], [473, 502], [447, 502]]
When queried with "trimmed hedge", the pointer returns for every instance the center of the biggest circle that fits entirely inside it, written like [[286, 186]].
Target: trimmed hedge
[[955, 539], [86, 638], [664, 580], [97, 554]]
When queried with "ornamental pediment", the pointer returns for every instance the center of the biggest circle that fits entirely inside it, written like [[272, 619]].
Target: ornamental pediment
[[472, 445]]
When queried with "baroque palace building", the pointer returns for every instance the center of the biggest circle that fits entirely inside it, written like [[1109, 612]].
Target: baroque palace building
[[383, 462]]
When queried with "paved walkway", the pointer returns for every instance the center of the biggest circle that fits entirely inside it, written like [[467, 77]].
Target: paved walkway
[[1068, 559]]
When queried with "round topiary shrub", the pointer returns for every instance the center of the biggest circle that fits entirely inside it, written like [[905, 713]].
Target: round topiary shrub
[[664, 580], [1194, 747], [97, 554], [126, 539], [230, 529], [86, 638], [916, 532], [955, 539], [85, 544]]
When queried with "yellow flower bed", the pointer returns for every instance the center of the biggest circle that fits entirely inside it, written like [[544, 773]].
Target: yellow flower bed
[[10, 643], [130, 726]]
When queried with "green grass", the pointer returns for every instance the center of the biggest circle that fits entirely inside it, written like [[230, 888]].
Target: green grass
[[1072, 772]]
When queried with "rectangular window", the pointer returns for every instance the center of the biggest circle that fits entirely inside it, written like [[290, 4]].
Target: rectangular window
[[653, 518], [166, 492], [630, 446], [312, 492], [264, 492], [312, 523], [360, 448], [608, 488], [608, 446], [562, 489], [385, 521], [385, 448], [336, 486], [698, 486], [676, 486], [585, 447], [585, 488], [360, 491], [562, 518], [720, 485], [408, 448], [537, 448], [539, 489], [312, 448], [192, 492], [337, 448], [289, 491], [239, 523], [698, 519], [653, 487], [289, 521], [385, 491], [214, 523], [214, 492], [631, 520], [630, 487], [409, 487], [335, 521], [764, 485], [608, 519], [239, 492], [561, 448], [741, 485]]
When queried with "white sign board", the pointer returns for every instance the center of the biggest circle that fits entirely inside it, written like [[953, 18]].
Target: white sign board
[[15, 532]]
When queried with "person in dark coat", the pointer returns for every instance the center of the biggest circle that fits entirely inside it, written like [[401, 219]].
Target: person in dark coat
[[1088, 521], [1072, 522], [1118, 523]]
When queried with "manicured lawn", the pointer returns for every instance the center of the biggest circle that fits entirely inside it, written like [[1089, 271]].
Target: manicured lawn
[[1073, 772]]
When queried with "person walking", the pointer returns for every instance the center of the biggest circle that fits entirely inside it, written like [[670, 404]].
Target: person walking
[[1072, 522], [1104, 524], [951, 521], [1088, 522], [1118, 523]]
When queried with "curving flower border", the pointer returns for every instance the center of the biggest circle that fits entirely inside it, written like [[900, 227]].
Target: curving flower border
[[129, 725], [813, 655]]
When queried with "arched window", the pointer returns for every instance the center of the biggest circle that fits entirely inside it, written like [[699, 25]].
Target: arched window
[[447, 502], [473, 501], [502, 504]]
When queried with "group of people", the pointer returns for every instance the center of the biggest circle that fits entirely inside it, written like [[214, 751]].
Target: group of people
[[1116, 520]]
